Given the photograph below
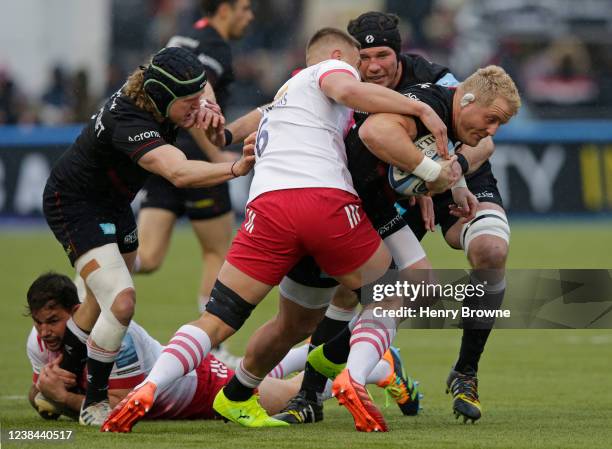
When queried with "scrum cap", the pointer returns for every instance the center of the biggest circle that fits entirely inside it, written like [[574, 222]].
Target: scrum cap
[[173, 73], [376, 29]]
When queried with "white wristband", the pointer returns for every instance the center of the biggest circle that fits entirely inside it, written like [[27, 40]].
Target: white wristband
[[428, 170], [460, 183]]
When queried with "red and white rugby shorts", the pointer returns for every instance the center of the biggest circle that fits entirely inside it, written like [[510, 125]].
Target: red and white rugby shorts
[[282, 226]]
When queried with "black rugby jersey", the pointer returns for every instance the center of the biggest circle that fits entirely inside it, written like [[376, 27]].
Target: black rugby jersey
[[213, 51], [102, 162], [369, 173]]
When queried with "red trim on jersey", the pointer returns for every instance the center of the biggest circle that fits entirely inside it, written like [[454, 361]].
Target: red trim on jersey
[[329, 72], [202, 23], [136, 152], [296, 71], [34, 378], [40, 343], [125, 383]]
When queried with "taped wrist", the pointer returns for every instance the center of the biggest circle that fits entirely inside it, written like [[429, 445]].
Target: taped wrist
[[428, 170]]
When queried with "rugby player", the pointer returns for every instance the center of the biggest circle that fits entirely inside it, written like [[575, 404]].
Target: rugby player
[[87, 199], [301, 202], [209, 209], [52, 299], [383, 64]]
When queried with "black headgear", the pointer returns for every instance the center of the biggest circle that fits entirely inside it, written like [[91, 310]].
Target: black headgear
[[376, 29], [173, 73]]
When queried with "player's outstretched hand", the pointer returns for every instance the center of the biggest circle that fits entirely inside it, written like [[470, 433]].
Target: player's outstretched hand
[[438, 129], [247, 161], [427, 212], [466, 204]]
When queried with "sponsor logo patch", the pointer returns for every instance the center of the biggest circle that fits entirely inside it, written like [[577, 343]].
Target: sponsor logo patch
[[143, 136]]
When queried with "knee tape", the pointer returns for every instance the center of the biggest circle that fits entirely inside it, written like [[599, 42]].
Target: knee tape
[[227, 305], [305, 296], [105, 274], [487, 222], [108, 332]]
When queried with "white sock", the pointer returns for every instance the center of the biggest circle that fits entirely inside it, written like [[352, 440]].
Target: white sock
[[381, 371], [245, 378], [183, 353], [340, 314], [370, 338], [294, 361]]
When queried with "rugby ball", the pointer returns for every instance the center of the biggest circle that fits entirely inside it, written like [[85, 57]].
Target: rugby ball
[[407, 184]]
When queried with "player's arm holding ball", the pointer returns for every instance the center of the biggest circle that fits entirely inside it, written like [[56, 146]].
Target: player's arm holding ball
[[390, 137]]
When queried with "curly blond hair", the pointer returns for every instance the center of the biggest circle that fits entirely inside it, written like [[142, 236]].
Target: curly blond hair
[[134, 89], [492, 82]]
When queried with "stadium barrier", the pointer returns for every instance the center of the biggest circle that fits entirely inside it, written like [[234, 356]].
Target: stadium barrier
[[541, 167]]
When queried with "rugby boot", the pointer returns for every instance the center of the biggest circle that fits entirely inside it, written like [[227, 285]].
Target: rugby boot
[[400, 387], [357, 400], [131, 409], [300, 410], [464, 389], [94, 414], [247, 413]]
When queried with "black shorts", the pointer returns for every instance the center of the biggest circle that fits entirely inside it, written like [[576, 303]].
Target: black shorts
[[81, 225], [482, 184], [197, 204]]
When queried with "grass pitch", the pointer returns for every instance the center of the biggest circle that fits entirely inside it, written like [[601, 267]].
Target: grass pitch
[[538, 388]]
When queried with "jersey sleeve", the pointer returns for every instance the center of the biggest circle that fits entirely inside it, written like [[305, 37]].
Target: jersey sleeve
[[36, 354], [334, 66], [134, 136]]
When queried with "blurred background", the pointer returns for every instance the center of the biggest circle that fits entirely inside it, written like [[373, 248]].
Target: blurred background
[[59, 60]]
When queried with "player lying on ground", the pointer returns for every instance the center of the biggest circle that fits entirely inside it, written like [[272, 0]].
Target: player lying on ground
[[52, 299]]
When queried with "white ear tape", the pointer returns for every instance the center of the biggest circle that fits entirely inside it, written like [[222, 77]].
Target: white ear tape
[[467, 99]]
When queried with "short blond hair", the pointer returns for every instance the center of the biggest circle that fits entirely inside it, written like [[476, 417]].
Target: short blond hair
[[134, 89], [492, 82]]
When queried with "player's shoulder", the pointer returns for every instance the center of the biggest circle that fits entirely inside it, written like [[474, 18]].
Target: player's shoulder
[[322, 69], [34, 343], [427, 92]]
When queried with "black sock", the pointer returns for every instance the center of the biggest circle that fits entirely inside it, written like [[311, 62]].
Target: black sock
[[473, 343], [74, 354], [236, 391], [313, 382], [338, 348], [97, 380]]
